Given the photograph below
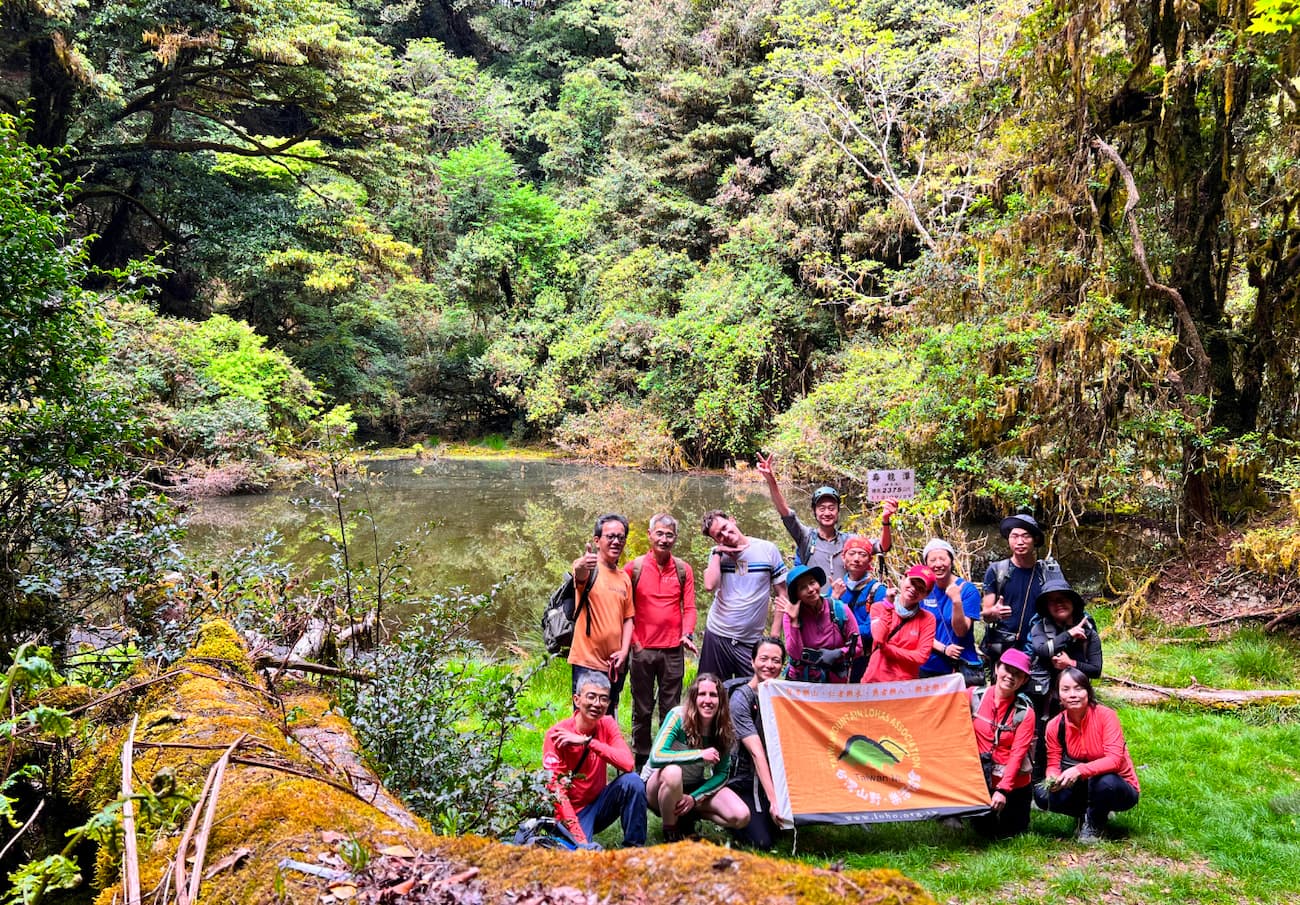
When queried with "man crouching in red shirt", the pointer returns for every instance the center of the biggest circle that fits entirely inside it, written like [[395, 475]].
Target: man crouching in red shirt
[[576, 752]]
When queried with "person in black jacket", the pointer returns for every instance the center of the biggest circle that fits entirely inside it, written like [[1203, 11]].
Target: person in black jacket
[[1062, 636]]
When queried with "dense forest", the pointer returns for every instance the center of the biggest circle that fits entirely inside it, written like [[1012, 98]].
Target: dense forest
[[1043, 253]]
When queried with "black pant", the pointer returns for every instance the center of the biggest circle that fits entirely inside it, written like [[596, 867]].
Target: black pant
[[727, 658], [1093, 798], [1013, 820], [760, 832]]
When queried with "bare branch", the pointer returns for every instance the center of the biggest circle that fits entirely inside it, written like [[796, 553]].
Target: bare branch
[[1191, 336]]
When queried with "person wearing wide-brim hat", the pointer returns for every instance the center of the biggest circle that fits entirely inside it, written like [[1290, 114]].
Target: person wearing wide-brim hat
[[821, 634], [1012, 585], [1024, 522], [1062, 636]]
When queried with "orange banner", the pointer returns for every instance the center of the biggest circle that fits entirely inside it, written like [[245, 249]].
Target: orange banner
[[890, 751]]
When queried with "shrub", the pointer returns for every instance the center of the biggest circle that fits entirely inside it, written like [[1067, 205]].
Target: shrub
[[437, 720], [621, 434]]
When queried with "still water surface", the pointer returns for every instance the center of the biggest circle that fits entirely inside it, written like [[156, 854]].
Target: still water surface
[[519, 524]]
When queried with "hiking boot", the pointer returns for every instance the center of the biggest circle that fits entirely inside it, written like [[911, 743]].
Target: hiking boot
[[1089, 832], [673, 833]]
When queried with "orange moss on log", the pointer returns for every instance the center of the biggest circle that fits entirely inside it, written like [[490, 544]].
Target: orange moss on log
[[273, 812], [683, 873]]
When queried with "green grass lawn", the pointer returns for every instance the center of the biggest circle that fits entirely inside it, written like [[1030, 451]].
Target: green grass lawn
[[1218, 822]]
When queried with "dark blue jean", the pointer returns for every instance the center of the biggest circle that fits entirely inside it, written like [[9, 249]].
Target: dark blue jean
[[622, 800], [1094, 797]]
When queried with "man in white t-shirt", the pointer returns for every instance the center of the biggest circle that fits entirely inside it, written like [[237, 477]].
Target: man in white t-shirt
[[744, 573]]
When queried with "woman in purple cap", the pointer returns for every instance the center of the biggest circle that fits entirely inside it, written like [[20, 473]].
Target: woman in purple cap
[[1004, 733]]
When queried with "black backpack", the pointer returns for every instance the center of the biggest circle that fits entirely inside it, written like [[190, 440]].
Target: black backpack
[[561, 615]]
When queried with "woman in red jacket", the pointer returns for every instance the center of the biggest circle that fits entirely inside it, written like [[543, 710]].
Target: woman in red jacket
[[1089, 770], [902, 633], [1004, 733]]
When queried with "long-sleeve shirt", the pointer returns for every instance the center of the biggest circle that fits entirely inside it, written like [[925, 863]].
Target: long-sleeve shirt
[[577, 780], [664, 610], [819, 632], [1097, 743], [996, 732], [670, 748], [897, 655]]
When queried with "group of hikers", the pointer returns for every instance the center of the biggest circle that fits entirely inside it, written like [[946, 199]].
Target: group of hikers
[[1041, 734]]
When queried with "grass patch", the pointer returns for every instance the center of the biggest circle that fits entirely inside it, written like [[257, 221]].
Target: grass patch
[[1249, 659], [1219, 819]]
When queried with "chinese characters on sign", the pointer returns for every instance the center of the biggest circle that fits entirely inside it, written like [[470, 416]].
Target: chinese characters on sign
[[891, 484]]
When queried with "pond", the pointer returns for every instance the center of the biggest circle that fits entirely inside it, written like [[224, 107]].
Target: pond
[[476, 524]]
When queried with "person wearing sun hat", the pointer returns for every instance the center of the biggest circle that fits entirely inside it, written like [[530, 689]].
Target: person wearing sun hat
[[821, 635], [1012, 585], [902, 633], [955, 605], [1004, 724]]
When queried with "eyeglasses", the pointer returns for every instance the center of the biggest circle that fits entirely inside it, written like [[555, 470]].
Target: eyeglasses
[[614, 537], [1019, 535], [665, 534]]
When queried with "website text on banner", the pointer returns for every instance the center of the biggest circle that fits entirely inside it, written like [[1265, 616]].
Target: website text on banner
[[886, 752]]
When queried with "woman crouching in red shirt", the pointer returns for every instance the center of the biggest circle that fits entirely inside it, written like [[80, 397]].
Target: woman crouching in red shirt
[[1089, 770], [1004, 733]]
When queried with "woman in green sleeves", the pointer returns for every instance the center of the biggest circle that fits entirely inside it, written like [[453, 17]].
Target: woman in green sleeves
[[688, 767]]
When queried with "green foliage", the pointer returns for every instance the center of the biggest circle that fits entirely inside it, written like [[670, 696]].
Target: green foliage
[[76, 521], [213, 390], [437, 719]]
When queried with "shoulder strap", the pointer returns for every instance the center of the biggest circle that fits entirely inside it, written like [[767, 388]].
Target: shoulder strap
[[1001, 575], [584, 602], [1060, 736], [680, 566], [637, 565], [840, 616]]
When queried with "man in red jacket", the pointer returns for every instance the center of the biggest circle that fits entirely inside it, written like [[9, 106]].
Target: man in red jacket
[[577, 752]]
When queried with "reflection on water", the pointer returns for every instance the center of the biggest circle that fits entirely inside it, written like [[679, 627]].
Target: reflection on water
[[473, 524]]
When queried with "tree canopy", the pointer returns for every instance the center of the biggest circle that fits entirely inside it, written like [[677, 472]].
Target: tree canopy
[[1046, 254]]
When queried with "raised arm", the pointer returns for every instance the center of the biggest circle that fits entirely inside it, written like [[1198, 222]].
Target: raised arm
[[768, 471]]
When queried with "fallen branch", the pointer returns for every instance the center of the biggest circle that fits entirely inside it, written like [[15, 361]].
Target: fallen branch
[[285, 664], [1217, 698], [1286, 615], [187, 894], [18, 835], [1238, 617], [130, 852], [268, 765]]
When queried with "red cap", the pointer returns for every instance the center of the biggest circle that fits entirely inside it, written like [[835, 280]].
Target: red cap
[[923, 573]]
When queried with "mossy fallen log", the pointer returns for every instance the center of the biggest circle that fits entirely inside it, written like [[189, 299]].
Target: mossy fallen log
[[1131, 692], [297, 810]]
